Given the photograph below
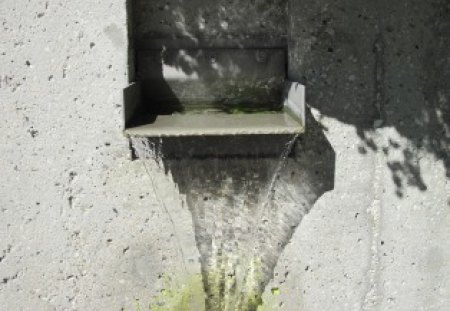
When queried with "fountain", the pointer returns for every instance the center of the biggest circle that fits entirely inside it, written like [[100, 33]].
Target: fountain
[[210, 99]]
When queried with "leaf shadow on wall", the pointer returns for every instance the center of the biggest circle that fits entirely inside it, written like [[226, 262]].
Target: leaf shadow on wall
[[380, 65]]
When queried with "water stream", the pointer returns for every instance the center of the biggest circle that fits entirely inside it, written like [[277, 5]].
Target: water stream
[[244, 212]]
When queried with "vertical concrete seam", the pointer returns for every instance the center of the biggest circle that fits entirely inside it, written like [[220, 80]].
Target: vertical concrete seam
[[374, 213], [379, 79]]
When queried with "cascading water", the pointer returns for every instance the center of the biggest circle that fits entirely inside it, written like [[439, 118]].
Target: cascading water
[[244, 210]]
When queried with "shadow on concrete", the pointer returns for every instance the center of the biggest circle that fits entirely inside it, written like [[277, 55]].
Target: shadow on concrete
[[379, 64], [369, 64], [221, 56], [203, 24]]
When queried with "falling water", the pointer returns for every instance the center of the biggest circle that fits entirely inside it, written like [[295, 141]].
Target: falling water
[[244, 212], [281, 163], [259, 276]]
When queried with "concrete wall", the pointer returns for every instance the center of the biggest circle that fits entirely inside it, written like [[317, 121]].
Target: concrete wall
[[82, 227]]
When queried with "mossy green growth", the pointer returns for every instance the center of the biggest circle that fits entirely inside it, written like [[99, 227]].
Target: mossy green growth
[[238, 287], [275, 291], [180, 294], [228, 107], [247, 110], [187, 293]]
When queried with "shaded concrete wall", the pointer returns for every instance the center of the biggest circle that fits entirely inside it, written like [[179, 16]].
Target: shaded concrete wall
[[203, 24], [189, 55], [84, 228]]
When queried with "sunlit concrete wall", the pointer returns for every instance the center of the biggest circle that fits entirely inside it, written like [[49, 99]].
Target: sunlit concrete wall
[[82, 227]]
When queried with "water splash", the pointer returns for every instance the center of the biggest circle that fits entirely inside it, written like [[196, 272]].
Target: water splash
[[146, 149]]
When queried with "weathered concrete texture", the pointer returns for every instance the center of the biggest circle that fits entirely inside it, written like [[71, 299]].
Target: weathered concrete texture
[[84, 228], [81, 227], [230, 23], [363, 247], [375, 74]]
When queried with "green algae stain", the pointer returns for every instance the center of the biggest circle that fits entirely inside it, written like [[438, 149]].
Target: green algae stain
[[275, 291], [225, 291], [237, 287], [180, 294]]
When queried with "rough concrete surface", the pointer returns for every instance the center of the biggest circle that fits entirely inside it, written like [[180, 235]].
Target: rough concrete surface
[[83, 227]]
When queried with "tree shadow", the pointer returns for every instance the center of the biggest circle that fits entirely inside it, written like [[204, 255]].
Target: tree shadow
[[204, 24], [379, 64]]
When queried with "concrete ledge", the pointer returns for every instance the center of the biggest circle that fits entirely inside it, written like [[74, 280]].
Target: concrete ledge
[[218, 125]]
